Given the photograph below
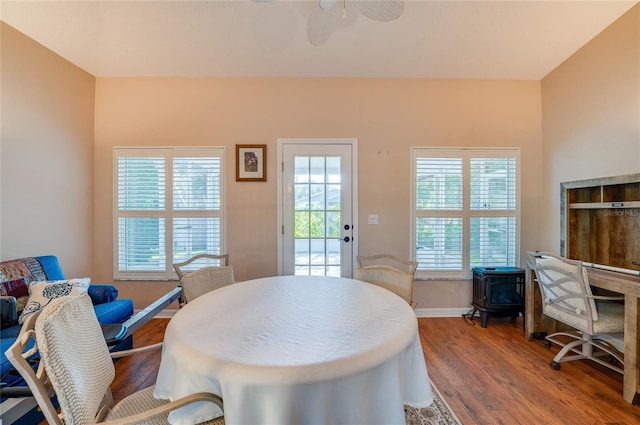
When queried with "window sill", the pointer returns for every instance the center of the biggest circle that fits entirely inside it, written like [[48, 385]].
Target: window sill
[[457, 279]]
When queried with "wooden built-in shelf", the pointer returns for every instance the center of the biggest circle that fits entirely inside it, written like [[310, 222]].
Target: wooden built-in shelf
[[600, 221], [596, 205]]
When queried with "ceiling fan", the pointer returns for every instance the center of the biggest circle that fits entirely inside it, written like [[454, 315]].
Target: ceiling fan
[[326, 15]]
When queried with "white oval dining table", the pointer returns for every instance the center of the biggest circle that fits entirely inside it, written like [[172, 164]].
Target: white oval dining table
[[295, 350]]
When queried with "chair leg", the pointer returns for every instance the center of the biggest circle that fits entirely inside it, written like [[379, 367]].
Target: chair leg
[[587, 347], [585, 352], [570, 347]]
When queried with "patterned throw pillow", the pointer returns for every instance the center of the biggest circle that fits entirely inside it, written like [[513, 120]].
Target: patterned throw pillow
[[41, 293], [15, 288]]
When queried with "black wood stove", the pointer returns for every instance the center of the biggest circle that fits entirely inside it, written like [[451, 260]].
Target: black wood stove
[[498, 291]]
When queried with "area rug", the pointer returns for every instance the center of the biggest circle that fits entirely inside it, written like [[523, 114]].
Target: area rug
[[439, 413]]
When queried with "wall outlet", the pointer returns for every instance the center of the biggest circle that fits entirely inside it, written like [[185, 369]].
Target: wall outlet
[[373, 218]]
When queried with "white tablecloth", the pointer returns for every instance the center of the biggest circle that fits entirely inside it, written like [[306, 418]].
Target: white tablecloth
[[296, 350]]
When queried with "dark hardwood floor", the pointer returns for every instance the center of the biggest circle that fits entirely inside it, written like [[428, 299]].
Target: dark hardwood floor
[[487, 375]]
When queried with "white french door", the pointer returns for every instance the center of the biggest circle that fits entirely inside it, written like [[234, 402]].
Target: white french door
[[316, 220]]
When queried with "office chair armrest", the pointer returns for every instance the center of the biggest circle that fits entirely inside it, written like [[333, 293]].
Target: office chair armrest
[[604, 298]]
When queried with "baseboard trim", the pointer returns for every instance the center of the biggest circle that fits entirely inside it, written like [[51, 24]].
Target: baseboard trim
[[442, 312], [420, 312], [167, 313]]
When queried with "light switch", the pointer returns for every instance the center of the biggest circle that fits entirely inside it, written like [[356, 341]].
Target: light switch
[[373, 218]]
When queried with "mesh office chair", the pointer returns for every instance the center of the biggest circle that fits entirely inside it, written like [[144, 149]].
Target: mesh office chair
[[198, 276], [75, 363], [389, 272], [567, 297]]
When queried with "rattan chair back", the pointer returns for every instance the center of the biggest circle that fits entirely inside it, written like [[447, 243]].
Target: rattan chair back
[[389, 272]]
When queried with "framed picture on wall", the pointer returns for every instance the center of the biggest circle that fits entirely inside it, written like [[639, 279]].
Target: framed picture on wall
[[251, 163]]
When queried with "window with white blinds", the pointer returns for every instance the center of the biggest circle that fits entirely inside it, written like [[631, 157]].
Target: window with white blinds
[[466, 210], [168, 208]]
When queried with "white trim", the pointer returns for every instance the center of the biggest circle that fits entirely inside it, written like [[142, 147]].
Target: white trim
[[420, 312], [442, 312], [167, 313]]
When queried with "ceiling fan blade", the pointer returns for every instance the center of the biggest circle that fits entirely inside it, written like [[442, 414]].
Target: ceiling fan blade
[[380, 10], [326, 4], [322, 23]]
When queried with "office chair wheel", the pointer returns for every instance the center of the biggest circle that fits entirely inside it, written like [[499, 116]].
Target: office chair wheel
[[555, 365], [547, 344]]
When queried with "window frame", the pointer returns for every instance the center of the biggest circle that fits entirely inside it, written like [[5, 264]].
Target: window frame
[[466, 213], [168, 213]]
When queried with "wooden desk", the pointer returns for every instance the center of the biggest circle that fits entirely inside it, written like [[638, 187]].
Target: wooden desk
[[535, 322]]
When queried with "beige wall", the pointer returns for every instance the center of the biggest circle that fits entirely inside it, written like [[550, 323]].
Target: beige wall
[[581, 121], [57, 184], [46, 172], [591, 117], [387, 116]]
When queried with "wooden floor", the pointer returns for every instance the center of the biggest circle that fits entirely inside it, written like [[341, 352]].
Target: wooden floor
[[489, 375], [493, 375]]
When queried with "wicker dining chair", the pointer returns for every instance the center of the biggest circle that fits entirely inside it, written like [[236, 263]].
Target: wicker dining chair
[[566, 297], [76, 365], [196, 281], [199, 261], [389, 272]]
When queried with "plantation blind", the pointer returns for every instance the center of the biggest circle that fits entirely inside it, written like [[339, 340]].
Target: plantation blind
[[466, 210], [493, 194], [169, 207]]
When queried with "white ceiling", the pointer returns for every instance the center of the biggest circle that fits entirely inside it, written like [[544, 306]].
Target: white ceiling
[[244, 38]]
